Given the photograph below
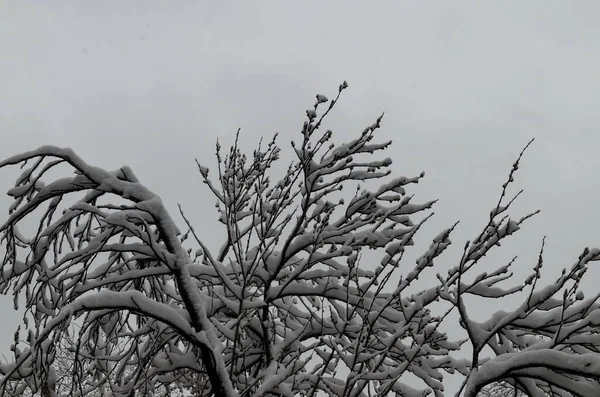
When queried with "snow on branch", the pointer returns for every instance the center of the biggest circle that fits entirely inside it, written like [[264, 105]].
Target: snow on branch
[[119, 300]]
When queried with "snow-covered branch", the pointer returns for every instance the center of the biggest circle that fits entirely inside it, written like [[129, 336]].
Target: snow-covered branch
[[119, 300]]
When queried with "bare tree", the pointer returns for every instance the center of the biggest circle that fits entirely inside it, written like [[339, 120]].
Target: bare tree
[[286, 306], [500, 389]]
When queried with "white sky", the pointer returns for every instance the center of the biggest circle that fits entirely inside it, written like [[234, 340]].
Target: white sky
[[465, 85]]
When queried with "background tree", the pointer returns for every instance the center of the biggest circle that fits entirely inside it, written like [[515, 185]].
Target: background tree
[[286, 306], [500, 389]]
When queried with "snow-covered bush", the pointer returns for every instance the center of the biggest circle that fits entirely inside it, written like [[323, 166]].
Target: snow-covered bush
[[118, 303]]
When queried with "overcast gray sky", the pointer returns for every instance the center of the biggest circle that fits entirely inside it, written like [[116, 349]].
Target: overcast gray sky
[[465, 85]]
